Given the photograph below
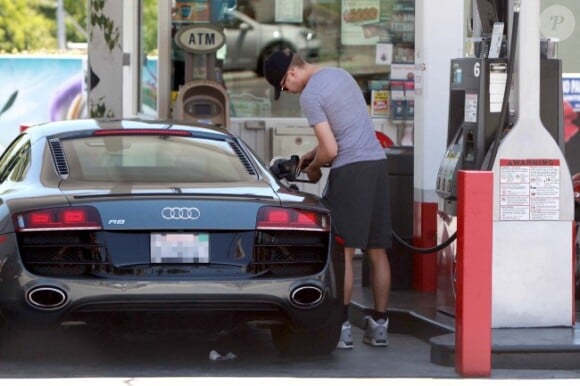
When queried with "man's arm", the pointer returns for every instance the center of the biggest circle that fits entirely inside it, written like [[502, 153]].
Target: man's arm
[[325, 152], [327, 149]]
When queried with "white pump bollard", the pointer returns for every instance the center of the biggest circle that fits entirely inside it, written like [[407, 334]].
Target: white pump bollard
[[533, 211]]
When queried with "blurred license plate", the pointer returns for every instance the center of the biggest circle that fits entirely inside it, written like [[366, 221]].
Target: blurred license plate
[[167, 248]]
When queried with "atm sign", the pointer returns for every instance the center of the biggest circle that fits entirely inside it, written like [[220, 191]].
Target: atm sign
[[200, 38]]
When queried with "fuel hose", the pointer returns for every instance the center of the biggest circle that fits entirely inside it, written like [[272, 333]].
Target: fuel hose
[[505, 103], [433, 249]]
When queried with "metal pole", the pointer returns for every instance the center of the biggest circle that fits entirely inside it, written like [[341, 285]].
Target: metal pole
[[164, 61], [211, 57], [60, 25]]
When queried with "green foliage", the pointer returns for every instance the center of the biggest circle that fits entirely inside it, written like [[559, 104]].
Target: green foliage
[[100, 110], [149, 26], [30, 25], [76, 22], [24, 28]]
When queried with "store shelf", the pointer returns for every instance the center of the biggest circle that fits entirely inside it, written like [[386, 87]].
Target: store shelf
[[402, 31]]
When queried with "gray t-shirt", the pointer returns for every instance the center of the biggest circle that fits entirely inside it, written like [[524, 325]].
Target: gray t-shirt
[[332, 95]]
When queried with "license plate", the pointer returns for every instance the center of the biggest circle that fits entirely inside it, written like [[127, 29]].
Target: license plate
[[179, 248]]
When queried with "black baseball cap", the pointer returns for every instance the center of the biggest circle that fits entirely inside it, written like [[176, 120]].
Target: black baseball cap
[[275, 67]]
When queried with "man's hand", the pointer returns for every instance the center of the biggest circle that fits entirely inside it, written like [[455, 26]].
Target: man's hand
[[322, 155], [314, 173], [306, 159]]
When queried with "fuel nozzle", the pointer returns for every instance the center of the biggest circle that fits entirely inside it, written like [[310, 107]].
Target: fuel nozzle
[[286, 168]]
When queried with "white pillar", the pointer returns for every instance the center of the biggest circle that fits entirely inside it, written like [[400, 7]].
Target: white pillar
[[439, 37], [131, 57], [534, 212], [105, 96]]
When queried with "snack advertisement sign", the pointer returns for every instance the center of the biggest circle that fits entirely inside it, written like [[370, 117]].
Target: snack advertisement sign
[[360, 22]]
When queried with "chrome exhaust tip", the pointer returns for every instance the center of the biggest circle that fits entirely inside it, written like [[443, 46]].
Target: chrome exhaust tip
[[306, 296], [46, 298]]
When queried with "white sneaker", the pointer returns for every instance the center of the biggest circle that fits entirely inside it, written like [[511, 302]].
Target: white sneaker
[[376, 332], [345, 340]]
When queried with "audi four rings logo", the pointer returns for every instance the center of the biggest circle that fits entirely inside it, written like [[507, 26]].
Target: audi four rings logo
[[180, 213]]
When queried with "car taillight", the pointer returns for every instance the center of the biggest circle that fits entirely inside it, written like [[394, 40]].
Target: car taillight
[[69, 218], [292, 219]]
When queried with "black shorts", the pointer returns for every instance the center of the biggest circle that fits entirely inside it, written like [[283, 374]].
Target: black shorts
[[358, 197]]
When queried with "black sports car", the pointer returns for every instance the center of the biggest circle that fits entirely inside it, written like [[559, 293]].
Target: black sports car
[[101, 218]]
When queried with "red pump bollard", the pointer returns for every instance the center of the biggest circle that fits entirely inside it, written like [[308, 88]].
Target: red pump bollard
[[474, 273]]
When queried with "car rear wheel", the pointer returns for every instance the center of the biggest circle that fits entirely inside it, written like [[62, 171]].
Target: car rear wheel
[[267, 52], [293, 341]]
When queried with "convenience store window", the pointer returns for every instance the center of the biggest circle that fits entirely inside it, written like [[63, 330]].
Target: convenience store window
[[365, 37], [362, 36]]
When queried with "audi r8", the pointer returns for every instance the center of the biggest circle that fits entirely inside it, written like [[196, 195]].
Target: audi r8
[[106, 218]]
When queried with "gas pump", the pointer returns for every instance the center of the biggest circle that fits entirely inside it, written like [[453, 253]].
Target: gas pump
[[476, 93], [479, 121]]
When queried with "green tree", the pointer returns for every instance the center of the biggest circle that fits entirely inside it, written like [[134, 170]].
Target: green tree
[[76, 20], [24, 28], [149, 26], [31, 25]]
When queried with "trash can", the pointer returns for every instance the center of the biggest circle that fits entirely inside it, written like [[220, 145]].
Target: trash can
[[401, 171]]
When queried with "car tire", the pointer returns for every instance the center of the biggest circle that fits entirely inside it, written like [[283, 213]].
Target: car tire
[[292, 341], [267, 52]]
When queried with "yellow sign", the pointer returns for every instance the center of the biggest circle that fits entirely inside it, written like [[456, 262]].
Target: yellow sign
[[380, 105]]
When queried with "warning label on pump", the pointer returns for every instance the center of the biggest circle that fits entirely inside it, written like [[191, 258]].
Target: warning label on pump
[[529, 189]]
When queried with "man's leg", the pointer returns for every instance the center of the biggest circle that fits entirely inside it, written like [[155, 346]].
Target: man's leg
[[348, 275], [380, 278], [345, 340], [378, 322]]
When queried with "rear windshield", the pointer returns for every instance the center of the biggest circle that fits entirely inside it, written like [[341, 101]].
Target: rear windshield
[[135, 158]]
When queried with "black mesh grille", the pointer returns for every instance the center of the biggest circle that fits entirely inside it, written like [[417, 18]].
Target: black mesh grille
[[58, 157], [289, 253], [242, 158], [76, 254], [65, 254]]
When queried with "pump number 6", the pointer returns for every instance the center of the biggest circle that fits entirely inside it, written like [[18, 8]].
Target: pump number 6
[[476, 69]]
